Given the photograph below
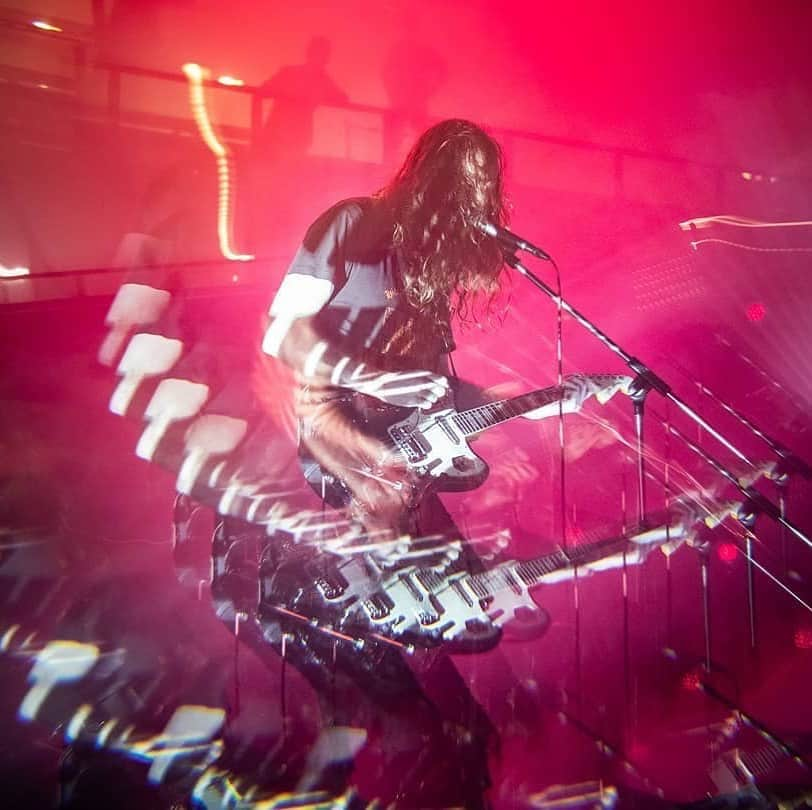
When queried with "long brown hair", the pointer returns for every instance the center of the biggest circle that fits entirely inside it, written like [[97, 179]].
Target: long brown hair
[[451, 178]]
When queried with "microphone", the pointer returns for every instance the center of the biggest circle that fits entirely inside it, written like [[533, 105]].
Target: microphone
[[510, 239]]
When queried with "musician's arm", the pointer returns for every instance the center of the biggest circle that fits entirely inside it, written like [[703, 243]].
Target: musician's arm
[[293, 337], [577, 388]]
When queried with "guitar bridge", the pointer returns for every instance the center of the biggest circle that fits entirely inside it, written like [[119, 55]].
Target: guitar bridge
[[408, 443]]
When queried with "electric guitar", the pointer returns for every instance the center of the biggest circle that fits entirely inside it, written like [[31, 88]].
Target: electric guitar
[[762, 772], [426, 606], [431, 447]]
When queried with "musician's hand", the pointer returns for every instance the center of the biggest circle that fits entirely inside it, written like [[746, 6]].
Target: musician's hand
[[573, 394], [408, 389], [381, 502], [577, 388], [379, 481]]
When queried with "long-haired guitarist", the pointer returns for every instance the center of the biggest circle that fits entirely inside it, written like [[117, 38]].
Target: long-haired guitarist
[[367, 303], [363, 318]]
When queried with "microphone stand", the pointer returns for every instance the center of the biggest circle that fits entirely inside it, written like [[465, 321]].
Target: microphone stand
[[645, 381], [787, 465]]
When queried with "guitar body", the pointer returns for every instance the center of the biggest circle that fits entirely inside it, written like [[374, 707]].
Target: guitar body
[[431, 448], [427, 605], [414, 606], [437, 450], [431, 604], [511, 607]]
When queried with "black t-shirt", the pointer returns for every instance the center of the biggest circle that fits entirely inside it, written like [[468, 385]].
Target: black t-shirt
[[369, 315]]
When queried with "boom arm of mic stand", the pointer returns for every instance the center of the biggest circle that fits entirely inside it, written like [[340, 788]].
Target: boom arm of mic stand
[[648, 380], [789, 463], [756, 502]]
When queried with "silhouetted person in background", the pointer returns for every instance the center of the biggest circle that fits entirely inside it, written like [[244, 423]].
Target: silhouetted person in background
[[283, 165], [296, 92]]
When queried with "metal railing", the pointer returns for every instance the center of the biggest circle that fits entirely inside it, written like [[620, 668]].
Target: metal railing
[[100, 91]]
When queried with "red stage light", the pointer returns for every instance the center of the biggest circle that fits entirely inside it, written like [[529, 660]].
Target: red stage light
[[727, 552], [756, 312], [691, 681], [803, 638]]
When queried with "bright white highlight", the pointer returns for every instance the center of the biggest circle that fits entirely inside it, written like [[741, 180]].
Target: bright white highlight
[[739, 222], [209, 435], [77, 722], [173, 400], [134, 305], [145, 356], [755, 248], [14, 272], [46, 26], [275, 334], [335, 377], [299, 295], [59, 662], [5, 642], [314, 356]]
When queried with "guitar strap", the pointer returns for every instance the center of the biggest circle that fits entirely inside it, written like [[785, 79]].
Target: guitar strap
[[450, 354], [449, 346]]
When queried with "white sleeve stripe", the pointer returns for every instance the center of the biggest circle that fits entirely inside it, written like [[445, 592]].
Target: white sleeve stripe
[[275, 334], [314, 356], [335, 377], [300, 295]]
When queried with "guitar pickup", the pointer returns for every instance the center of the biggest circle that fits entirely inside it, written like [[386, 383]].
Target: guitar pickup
[[378, 607], [448, 430]]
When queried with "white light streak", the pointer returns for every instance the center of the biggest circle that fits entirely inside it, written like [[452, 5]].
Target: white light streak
[[14, 272], [77, 722], [230, 81], [314, 358], [739, 222], [46, 26], [197, 101], [695, 245]]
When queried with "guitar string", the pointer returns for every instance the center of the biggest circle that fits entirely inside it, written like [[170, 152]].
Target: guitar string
[[536, 569], [505, 409]]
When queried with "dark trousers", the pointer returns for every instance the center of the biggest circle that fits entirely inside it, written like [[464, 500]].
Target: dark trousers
[[428, 737]]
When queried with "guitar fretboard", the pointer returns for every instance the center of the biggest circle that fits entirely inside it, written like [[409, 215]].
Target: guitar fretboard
[[763, 760], [531, 572], [477, 419]]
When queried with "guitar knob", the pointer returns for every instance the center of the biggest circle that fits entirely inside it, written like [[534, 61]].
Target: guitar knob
[[462, 463]]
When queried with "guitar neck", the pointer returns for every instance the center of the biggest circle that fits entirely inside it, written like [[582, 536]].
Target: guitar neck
[[475, 420], [761, 761], [531, 572]]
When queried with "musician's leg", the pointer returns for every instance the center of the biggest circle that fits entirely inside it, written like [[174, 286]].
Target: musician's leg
[[442, 682], [427, 736], [507, 702]]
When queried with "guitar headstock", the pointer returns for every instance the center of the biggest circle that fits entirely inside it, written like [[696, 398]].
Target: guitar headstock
[[579, 387]]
